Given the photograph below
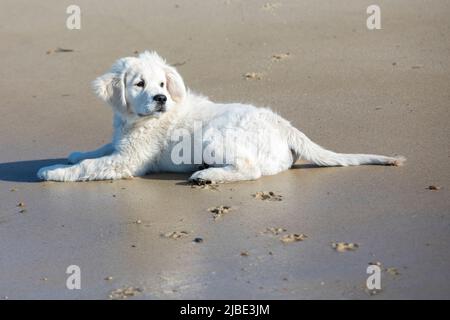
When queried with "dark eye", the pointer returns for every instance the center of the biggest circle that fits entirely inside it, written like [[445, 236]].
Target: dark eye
[[140, 83], [161, 84]]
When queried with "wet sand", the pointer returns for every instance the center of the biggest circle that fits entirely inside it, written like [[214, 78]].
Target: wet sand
[[348, 88]]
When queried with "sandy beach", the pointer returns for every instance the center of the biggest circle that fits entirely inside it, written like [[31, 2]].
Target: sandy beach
[[348, 88]]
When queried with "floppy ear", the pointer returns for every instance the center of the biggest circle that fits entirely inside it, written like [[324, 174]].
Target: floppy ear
[[175, 84], [111, 88]]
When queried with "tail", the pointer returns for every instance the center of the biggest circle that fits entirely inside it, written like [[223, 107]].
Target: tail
[[305, 149]]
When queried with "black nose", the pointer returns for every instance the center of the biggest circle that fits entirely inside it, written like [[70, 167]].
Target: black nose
[[160, 98]]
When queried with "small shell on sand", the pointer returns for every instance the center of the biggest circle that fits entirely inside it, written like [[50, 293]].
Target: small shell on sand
[[253, 76]]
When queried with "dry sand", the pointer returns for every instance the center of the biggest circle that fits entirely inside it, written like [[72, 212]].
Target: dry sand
[[348, 88]]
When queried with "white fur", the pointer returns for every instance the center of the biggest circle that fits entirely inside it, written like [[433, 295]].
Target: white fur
[[265, 143]]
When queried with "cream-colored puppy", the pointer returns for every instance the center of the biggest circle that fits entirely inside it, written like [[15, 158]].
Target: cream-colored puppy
[[159, 126]]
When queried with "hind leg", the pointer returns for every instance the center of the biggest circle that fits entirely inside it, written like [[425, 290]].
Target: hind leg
[[229, 173]]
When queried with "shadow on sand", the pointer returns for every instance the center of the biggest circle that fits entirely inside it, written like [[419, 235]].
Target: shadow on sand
[[185, 176], [167, 176], [25, 171]]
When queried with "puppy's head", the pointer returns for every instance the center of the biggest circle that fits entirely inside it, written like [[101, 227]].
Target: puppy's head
[[138, 87]]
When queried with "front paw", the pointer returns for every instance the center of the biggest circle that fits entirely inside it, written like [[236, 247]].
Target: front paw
[[75, 157], [53, 173]]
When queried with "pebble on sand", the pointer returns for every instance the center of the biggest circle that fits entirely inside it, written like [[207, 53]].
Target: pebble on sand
[[198, 240]]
